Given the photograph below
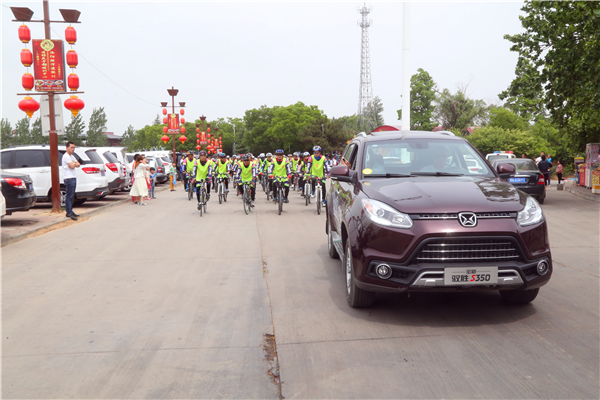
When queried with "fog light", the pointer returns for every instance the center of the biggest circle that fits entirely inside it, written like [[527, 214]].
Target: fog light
[[383, 271], [542, 268]]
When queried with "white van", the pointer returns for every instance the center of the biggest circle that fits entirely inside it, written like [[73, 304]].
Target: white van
[[34, 160]]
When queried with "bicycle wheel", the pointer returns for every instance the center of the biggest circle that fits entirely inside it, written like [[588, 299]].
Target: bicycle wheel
[[190, 191], [268, 193], [246, 201], [220, 193], [306, 194], [225, 195], [280, 199], [318, 198]]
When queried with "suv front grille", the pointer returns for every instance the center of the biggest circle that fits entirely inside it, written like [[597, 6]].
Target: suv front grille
[[468, 250]]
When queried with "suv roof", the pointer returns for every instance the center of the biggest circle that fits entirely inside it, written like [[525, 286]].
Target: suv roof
[[401, 135]]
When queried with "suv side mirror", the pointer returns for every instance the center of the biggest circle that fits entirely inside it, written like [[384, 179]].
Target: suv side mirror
[[342, 173], [505, 168]]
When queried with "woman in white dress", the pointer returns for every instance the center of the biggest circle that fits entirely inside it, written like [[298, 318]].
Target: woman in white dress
[[139, 189]]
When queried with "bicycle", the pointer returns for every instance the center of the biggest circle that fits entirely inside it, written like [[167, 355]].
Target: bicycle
[[203, 196], [307, 189], [296, 182], [269, 189], [279, 183], [318, 194], [246, 197], [263, 183], [221, 189], [190, 187]]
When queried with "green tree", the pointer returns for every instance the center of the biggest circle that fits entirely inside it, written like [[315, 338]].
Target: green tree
[[129, 138], [36, 133], [504, 118], [22, 133], [257, 121], [560, 41], [422, 97], [373, 117], [489, 139], [74, 131], [525, 94], [7, 137], [457, 111], [157, 120], [96, 127]]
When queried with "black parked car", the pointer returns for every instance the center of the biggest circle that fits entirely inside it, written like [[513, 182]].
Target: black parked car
[[527, 177], [17, 190]]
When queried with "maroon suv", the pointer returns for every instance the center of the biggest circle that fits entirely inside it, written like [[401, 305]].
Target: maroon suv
[[408, 214]]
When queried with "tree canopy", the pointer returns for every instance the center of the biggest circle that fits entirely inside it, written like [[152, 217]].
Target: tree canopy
[[422, 98]]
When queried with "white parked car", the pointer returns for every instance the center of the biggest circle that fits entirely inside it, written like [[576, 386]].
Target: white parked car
[[115, 172], [34, 160], [119, 153]]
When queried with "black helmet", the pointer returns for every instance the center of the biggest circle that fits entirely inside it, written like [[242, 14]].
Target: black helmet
[[246, 157], [202, 153]]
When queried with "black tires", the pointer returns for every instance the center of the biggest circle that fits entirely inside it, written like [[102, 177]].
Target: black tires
[[519, 296], [280, 200], [355, 296], [330, 247], [541, 198]]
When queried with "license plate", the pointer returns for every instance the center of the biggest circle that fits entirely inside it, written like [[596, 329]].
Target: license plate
[[31, 186], [471, 276], [103, 173], [517, 180]]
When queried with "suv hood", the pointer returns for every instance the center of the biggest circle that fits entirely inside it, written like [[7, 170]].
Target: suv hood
[[445, 194]]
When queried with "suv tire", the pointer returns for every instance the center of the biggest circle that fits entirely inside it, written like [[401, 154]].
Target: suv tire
[[330, 247], [355, 296], [519, 296]]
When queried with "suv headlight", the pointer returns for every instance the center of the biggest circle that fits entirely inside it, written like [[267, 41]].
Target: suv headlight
[[382, 214], [531, 214]]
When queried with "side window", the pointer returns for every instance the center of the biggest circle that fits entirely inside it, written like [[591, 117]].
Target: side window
[[30, 159], [352, 156], [6, 159]]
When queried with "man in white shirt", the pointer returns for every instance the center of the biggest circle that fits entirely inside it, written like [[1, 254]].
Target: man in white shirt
[[69, 163]]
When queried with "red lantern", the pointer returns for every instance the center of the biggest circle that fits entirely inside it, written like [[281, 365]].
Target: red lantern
[[182, 111], [164, 120], [26, 57], [209, 133], [27, 81], [24, 34], [165, 129], [73, 82], [182, 139], [165, 139], [198, 147], [74, 104], [197, 141], [70, 35], [164, 111], [208, 130], [197, 130], [72, 59], [29, 105], [183, 129], [182, 120], [198, 135]]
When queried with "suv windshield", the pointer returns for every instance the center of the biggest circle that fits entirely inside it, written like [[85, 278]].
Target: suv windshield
[[110, 157], [429, 157]]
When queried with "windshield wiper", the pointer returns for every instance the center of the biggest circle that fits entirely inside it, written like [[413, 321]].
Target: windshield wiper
[[438, 173], [388, 176]]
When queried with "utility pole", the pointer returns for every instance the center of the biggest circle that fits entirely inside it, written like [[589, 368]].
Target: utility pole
[[233, 149], [365, 92], [406, 66]]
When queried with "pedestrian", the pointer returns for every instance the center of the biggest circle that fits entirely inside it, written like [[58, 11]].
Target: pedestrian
[[139, 189], [147, 177], [172, 176], [544, 167], [537, 160], [69, 163], [132, 174], [153, 174], [559, 171], [524, 155]]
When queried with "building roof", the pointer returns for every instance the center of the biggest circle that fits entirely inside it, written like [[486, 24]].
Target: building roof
[[384, 128]]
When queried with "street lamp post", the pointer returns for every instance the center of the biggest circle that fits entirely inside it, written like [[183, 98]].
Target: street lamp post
[[173, 92], [233, 149]]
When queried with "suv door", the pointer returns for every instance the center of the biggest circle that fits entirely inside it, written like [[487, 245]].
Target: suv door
[[36, 164], [341, 192]]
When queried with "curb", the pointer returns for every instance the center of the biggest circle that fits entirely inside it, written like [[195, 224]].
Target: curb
[[40, 230], [582, 193]]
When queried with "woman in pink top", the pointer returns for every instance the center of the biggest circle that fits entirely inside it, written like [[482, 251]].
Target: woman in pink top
[[559, 171]]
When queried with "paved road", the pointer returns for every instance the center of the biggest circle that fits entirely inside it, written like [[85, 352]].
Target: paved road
[[156, 302]]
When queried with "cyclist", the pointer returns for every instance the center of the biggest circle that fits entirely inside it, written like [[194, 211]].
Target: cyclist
[[303, 172], [188, 164], [280, 168], [222, 170], [265, 169], [245, 173], [203, 170], [317, 167]]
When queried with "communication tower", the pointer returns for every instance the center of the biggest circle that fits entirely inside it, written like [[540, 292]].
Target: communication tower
[[365, 93]]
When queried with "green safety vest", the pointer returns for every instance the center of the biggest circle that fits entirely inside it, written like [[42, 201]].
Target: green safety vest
[[280, 169], [294, 164], [189, 165], [202, 170], [317, 166], [246, 174], [267, 165], [222, 167]]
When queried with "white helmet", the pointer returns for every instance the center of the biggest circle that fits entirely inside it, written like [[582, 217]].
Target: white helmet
[[261, 155], [269, 155]]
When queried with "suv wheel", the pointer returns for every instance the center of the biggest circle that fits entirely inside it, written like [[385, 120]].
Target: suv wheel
[[330, 247], [355, 296], [519, 296]]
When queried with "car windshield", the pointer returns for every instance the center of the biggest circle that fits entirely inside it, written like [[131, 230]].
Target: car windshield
[[521, 164], [422, 157], [498, 157]]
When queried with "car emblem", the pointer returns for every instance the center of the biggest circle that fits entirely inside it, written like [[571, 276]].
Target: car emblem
[[467, 219]]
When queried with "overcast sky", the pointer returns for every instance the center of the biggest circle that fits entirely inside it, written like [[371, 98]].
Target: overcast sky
[[226, 58]]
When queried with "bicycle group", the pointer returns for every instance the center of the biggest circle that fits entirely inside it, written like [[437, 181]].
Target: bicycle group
[[302, 172]]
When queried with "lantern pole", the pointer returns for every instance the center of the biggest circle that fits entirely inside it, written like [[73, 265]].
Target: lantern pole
[[173, 92]]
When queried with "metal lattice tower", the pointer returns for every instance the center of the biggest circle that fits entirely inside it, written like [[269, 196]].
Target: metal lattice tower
[[365, 93]]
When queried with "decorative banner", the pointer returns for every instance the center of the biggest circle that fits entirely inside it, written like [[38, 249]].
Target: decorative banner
[[173, 123], [48, 65], [202, 137]]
